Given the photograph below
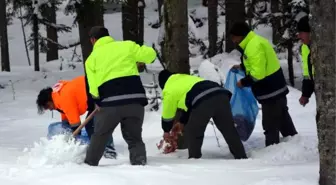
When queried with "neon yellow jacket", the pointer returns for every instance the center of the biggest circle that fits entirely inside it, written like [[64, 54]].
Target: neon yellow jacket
[[308, 72], [175, 92], [305, 51], [111, 60], [260, 59], [262, 68]]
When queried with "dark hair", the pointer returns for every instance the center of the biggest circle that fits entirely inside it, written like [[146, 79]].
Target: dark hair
[[240, 29], [303, 25], [163, 77], [98, 32], [43, 98]]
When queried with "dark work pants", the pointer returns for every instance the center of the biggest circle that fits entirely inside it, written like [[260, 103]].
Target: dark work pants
[[216, 107], [275, 119], [106, 120], [91, 106]]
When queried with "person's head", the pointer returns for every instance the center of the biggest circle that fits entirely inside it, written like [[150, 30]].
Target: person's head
[[97, 32], [239, 31], [303, 29], [163, 77], [44, 100]]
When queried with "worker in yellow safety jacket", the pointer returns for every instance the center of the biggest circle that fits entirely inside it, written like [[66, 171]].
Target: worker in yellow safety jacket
[[116, 87], [303, 29], [265, 76], [200, 101]]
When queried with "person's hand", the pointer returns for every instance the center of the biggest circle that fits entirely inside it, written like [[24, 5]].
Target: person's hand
[[141, 66], [237, 66], [239, 84], [303, 100], [178, 128], [97, 107], [166, 136]]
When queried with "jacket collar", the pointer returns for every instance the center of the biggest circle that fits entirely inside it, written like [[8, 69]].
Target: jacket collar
[[247, 39], [102, 41]]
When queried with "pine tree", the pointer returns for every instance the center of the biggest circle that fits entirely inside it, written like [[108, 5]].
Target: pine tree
[[323, 58], [44, 19], [88, 14], [5, 64]]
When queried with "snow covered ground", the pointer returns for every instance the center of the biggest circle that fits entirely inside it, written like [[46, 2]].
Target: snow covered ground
[[27, 158]]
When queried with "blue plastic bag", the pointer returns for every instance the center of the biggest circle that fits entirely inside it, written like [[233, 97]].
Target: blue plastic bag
[[59, 128], [244, 106]]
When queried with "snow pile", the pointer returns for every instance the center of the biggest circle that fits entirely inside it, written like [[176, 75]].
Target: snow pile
[[209, 71], [282, 181], [58, 150], [297, 148]]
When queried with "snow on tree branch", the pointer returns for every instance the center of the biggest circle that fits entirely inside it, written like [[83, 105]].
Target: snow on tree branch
[[62, 46], [296, 9]]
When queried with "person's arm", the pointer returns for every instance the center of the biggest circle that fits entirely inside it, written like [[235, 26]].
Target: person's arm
[[257, 62], [63, 117], [168, 112], [307, 87], [143, 54], [72, 113], [184, 117], [91, 76]]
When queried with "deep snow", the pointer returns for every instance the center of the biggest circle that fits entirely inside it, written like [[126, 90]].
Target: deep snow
[[26, 157]]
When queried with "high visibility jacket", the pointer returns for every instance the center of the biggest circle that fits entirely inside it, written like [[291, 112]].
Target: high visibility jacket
[[262, 68], [112, 72], [308, 68], [70, 99], [182, 91], [308, 72]]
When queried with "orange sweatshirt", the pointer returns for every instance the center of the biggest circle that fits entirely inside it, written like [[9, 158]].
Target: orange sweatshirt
[[70, 98]]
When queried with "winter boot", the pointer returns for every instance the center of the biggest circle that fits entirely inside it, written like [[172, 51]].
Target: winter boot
[[110, 152]]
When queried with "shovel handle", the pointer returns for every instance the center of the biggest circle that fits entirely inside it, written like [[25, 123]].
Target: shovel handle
[[86, 121]]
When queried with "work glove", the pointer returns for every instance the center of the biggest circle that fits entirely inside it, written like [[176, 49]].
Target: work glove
[[304, 100], [169, 141]]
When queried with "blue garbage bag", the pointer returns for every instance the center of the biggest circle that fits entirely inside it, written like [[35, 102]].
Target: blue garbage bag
[[59, 128], [244, 106]]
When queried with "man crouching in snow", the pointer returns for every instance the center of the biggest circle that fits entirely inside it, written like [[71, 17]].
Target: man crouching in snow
[[71, 100], [201, 100]]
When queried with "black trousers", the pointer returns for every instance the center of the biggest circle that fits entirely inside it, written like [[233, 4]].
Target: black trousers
[[91, 106], [275, 120], [106, 120], [216, 107]]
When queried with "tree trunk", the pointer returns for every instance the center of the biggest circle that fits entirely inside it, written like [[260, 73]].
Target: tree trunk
[[234, 11], [176, 46], [130, 20], [24, 35], [52, 52], [287, 9], [5, 66], [205, 3], [323, 58], [90, 13], [160, 3], [141, 20], [36, 43], [276, 22], [212, 28], [290, 62]]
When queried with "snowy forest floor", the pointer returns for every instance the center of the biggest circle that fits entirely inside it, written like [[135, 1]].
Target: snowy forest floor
[[27, 158]]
